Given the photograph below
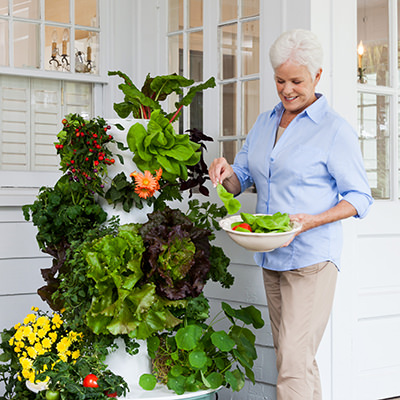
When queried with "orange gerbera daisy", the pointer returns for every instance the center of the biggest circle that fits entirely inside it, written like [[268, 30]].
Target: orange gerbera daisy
[[146, 184]]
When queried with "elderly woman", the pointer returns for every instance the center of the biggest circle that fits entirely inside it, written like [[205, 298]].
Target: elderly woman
[[304, 159]]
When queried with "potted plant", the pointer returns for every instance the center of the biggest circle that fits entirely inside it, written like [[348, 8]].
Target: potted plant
[[138, 281]]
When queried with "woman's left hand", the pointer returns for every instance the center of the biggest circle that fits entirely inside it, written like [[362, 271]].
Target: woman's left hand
[[307, 222]]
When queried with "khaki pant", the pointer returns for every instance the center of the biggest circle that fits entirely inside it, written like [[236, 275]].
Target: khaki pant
[[299, 304]]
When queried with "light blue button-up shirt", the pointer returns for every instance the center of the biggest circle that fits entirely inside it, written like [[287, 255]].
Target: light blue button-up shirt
[[316, 163]]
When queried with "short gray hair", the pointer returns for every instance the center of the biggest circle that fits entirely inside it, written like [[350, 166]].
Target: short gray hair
[[300, 47]]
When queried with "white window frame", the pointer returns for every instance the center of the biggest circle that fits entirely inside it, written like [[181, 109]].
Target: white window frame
[[20, 187], [393, 92]]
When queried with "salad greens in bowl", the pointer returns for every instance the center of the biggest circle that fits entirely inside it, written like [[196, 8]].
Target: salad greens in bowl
[[260, 232]]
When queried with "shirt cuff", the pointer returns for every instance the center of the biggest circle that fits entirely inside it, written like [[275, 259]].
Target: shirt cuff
[[360, 201]]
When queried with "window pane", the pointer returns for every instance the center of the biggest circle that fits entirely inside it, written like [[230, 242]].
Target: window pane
[[175, 51], [175, 15], [57, 11], [3, 7], [228, 10], [26, 45], [228, 51], [53, 47], [250, 48], [229, 109], [86, 13], [373, 128], [4, 43], [251, 104], [229, 151], [196, 56], [373, 31], [250, 8], [86, 51], [26, 9], [195, 13]]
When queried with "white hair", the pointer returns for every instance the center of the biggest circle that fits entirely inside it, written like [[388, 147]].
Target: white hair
[[300, 47]]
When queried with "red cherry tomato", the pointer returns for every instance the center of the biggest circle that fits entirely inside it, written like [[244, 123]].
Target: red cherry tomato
[[114, 394], [90, 381], [243, 225]]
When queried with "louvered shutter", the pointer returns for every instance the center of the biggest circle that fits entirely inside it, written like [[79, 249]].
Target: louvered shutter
[[15, 123], [46, 123]]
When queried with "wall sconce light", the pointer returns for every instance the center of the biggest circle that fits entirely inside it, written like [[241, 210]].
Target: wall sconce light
[[54, 50], [84, 62], [360, 52], [55, 61], [64, 54]]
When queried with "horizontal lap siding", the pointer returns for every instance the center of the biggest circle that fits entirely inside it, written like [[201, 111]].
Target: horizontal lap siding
[[20, 264]]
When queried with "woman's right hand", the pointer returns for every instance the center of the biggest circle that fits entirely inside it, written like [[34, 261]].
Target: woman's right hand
[[220, 170]]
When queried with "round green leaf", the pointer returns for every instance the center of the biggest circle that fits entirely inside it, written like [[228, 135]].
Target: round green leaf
[[213, 380], [198, 359], [188, 337], [222, 341], [147, 381]]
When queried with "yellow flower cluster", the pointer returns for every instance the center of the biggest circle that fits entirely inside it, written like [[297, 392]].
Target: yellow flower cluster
[[40, 334]]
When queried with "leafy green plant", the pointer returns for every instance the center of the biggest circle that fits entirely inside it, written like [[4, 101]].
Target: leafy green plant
[[141, 103], [61, 214], [198, 357], [159, 146]]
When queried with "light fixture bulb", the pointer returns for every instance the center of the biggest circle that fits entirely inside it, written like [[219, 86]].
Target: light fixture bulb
[[360, 48]]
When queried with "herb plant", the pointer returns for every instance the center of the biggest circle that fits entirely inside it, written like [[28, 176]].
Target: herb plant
[[199, 357]]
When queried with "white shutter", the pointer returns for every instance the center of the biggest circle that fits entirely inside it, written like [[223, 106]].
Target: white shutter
[[46, 123], [15, 122], [78, 99]]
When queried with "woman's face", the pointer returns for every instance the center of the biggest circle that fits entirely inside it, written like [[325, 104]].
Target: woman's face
[[295, 86]]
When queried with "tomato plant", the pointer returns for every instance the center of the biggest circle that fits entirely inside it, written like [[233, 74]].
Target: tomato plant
[[52, 394], [90, 381]]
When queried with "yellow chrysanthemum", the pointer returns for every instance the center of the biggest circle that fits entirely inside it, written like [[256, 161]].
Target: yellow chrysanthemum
[[17, 349], [76, 354], [32, 337], [63, 357], [29, 318], [43, 321], [31, 352], [16, 326], [56, 320], [53, 336], [35, 309], [11, 341], [63, 345], [46, 343], [39, 348], [26, 363]]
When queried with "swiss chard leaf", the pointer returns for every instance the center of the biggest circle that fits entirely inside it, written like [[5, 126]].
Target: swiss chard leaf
[[232, 205]]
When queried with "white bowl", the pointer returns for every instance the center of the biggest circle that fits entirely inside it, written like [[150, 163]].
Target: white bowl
[[262, 242]]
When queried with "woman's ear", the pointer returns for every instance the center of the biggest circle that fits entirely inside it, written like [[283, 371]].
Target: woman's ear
[[318, 76]]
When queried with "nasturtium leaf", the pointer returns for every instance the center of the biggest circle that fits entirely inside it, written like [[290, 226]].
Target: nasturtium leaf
[[213, 380], [147, 381], [197, 359], [249, 315], [235, 379], [188, 337], [153, 343], [176, 370], [177, 384], [222, 340]]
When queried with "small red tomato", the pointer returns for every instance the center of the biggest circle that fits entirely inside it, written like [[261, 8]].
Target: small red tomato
[[114, 394], [64, 121], [90, 381], [243, 225]]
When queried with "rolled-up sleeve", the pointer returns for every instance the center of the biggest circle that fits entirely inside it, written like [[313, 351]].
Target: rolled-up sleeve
[[346, 166]]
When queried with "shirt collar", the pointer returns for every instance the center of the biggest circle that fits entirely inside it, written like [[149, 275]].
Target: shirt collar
[[315, 111]]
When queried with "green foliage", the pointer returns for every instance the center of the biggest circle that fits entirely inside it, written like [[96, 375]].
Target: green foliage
[[199, 357], [159, 146], [83, 149], [141, 103], [277, 222], [232, 205]]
